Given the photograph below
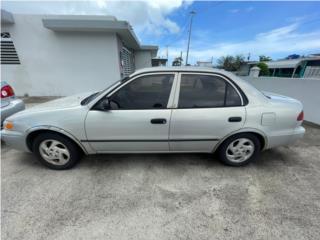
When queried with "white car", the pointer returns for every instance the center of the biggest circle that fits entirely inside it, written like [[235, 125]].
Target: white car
[[159, 110]]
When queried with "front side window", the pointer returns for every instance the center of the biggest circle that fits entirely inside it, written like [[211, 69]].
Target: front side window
[[205, 91], [146, 92]]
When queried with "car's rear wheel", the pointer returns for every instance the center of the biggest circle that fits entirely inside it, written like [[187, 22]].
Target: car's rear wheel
[[55, 151], [240, 149]]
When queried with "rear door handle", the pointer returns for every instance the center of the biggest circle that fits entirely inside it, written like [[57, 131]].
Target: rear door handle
[[158, 121], [234, 119]]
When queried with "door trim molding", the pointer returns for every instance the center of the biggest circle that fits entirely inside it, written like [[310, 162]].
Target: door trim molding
[[152, 140]]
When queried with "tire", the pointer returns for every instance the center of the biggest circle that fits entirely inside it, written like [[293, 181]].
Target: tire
[[239, 150], [55, 151]]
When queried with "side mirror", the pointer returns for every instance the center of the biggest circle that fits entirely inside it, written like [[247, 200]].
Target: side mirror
[[105, 104]]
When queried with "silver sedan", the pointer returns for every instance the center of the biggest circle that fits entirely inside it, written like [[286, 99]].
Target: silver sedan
[[10, 104], [159, 110]]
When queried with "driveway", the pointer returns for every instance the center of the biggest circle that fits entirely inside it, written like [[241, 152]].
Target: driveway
[[169, 196]]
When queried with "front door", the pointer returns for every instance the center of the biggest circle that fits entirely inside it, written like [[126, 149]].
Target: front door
[[139, 118], [208, 108]]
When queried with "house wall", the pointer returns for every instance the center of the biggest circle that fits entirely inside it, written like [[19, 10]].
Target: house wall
[[143, 58], [304, 89], [59, 63]]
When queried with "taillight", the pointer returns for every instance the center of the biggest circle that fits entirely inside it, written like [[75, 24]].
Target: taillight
[[300, 116], [7, 91]]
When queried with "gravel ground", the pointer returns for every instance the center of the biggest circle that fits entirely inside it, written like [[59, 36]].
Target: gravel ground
[[171, 196]]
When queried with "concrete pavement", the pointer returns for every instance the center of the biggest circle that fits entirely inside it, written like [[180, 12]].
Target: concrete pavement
[[170, 196]]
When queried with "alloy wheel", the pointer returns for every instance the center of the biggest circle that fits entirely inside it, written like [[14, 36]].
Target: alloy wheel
[[240, 150], [54, 152]]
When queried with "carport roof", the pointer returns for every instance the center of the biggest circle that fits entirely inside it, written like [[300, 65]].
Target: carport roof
[[96, 24], [290, 63]]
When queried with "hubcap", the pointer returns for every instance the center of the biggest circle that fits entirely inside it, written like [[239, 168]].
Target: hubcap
[[240, 150], [54, 152]]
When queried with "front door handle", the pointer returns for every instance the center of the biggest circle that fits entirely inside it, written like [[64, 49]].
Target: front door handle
[[234, 119], [158, 121]]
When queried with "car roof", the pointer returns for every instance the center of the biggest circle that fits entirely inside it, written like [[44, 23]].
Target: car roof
[[179, 69]]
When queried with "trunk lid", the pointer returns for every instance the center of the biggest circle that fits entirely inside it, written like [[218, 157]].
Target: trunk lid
[[277, 98]]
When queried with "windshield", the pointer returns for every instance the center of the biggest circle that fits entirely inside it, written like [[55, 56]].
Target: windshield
[[96, 94]]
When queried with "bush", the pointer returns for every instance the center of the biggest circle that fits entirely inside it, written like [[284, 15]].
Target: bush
[[264, 70]]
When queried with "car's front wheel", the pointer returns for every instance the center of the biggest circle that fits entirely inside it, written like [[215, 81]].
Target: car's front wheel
[[240, 149], [55, 151]]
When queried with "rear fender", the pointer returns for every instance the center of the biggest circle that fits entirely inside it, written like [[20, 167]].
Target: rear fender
[[244, 130]]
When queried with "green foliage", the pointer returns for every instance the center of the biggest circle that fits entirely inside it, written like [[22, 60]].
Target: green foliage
[[264, 58], [264, 70], [177, 61], [230, 63]]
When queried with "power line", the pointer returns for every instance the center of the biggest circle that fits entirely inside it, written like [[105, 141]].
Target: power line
[[183, 29]]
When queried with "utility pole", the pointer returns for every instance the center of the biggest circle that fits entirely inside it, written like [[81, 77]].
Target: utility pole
[[167, 55], [192, 14]]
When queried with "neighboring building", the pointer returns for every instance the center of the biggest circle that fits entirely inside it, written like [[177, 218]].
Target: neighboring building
[[62, 55], [245, 68], [295, 68], [205, 64], [308, 67], [156, 62], [314, 55]]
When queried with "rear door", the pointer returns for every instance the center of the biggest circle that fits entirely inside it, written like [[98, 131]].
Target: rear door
[[208, 107]]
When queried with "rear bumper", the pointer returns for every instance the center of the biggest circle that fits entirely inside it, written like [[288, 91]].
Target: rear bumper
[[15, 140], [16, 105], [286, 138], [298, 133]]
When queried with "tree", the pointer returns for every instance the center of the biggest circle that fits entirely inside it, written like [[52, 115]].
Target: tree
[[177, 61], [264, 70], [230, 63], [264, 58], [238, 61]]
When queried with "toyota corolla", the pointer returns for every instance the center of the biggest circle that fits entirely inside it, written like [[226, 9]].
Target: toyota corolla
[[159, 110]]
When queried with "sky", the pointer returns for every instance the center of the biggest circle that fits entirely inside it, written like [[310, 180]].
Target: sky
[[220, 28]]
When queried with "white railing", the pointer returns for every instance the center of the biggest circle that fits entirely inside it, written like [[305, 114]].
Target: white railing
[[307, 90]]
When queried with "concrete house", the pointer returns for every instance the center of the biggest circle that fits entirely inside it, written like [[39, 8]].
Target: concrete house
[[60, 55], [306, 67]]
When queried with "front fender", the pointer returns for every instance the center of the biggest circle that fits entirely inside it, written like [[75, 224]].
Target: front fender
[[84, 146]]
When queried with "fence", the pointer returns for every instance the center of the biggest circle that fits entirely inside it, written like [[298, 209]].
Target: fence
[[307, 90]]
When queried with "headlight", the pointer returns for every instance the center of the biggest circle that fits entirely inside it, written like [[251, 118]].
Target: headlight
[[8, 125]]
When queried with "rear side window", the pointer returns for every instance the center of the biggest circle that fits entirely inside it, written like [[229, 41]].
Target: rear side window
[[147, 92], [232, 97], [205, 91]]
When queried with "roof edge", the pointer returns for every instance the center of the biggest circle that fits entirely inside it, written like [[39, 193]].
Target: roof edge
[[6, 17], [88, 23]]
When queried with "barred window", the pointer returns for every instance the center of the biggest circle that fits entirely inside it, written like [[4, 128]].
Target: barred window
[[127, 61], [9, 54]]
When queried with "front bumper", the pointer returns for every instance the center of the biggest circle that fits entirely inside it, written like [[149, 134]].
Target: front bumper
[[16, 140], [15, 105]]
